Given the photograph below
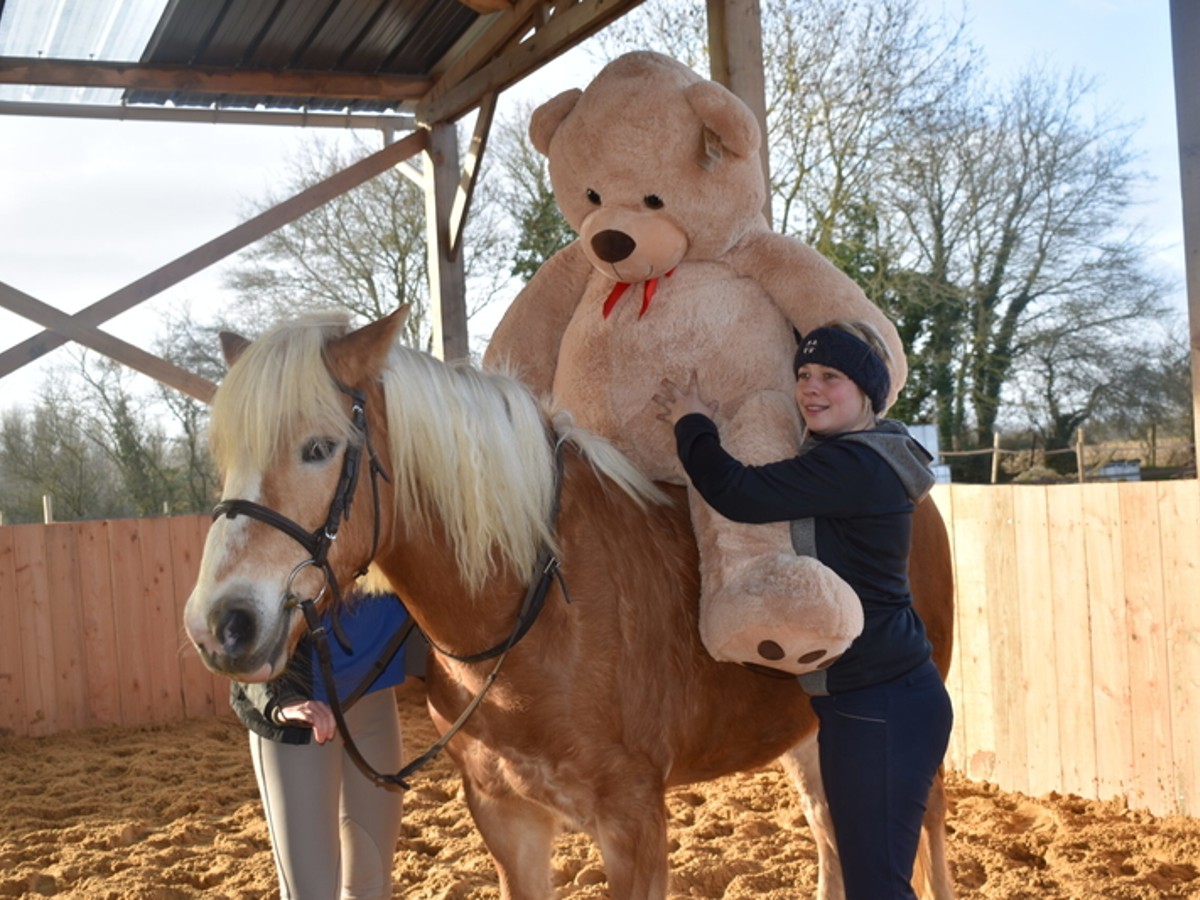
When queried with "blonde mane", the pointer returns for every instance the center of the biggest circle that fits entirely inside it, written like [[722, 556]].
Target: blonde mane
[[472, 450]]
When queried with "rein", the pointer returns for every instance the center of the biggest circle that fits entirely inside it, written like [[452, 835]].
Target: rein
[[547, 571], [318, 542]]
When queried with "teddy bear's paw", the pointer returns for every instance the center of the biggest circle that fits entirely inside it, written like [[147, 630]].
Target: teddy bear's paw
[[786, 617], [780, 651]]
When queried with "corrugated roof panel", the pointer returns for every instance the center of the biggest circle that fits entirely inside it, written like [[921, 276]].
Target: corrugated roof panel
[[237, 33], [392, 36], [441, 24], [115, 30], [338, 35], [182, 33], [389, 28], [406, 37], [290, 32], [106, 30]]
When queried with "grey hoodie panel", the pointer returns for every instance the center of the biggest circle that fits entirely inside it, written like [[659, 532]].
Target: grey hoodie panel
[[907, 458], [900, 450]]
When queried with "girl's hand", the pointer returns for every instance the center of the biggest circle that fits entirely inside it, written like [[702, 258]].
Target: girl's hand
[[676, 403], [313, 713]]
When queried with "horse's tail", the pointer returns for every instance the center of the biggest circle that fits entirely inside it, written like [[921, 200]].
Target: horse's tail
[[608, 462]]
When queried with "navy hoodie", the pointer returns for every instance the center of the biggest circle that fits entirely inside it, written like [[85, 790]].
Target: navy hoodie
[[850, 499]]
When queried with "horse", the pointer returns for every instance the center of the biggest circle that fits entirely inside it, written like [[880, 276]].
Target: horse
[[606, 699]]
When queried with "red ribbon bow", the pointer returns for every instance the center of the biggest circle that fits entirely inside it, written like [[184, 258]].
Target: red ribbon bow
[[647, 294]]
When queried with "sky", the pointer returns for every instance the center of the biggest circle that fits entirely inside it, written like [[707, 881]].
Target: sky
[[88, 206]]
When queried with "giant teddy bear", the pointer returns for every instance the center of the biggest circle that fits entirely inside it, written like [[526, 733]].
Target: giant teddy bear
[[676, 271]]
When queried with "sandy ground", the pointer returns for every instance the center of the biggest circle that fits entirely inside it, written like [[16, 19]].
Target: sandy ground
[[171, 812]]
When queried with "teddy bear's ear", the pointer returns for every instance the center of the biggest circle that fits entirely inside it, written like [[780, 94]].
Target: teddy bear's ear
[[728, 123], [547, 117]]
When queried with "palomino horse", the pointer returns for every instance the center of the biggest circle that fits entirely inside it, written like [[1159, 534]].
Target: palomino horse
[[608, 699]]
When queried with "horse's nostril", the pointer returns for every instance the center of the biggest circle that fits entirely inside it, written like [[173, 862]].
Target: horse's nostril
[[613, 246], [235, 630]]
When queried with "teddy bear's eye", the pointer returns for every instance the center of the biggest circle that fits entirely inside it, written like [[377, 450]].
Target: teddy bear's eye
[[593, 197], [653, 201]]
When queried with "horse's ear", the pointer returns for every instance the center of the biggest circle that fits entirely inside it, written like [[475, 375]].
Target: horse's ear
[[232, 346], [359, 356]]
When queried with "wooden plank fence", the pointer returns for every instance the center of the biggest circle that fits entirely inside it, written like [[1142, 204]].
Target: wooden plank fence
[[91, 631], [1077, 663], [1077, 658]]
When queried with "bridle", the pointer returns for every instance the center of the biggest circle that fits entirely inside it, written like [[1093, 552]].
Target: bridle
[[318, 543]]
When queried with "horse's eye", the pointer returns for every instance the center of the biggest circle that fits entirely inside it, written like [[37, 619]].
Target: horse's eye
[[593, 197], [318, 449], [653, 201]]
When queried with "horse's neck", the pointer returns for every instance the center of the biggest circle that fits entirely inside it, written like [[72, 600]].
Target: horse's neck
[[424, 573]]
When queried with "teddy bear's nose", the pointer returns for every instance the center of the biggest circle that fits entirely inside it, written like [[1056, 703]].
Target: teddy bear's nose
[[613, 246]]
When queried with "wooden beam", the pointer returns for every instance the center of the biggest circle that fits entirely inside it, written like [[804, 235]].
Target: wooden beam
[[1185, 43], [208, 80], [736, 55], [114, 348], [504, 30], [217, 249], [568, 26], [471, 169], [447, 278]]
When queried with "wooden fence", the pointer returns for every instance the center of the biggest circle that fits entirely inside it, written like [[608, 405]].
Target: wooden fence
[[91, 629], [1077, 658]]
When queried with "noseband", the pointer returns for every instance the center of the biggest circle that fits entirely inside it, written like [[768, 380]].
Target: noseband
[[318, 542]]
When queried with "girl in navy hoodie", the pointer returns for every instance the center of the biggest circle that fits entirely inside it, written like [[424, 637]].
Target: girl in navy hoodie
[[849, 493]]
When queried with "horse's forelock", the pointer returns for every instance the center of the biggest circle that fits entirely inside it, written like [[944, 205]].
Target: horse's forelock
[[278, 386]]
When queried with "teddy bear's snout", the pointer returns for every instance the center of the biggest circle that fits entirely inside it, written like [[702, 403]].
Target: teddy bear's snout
[[613, 246]]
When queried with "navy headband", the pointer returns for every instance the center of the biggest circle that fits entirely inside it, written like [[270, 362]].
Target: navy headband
[[854, 358]]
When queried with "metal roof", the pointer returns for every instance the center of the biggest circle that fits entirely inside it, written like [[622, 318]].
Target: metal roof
[[370, 37], [435, 59]]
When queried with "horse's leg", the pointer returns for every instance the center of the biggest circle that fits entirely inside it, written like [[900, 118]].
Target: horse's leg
[[520, 836], [804, 767], [631, 830], [931, 874]]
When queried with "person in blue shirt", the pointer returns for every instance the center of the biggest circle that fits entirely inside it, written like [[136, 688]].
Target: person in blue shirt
[[333, 830], [884, 713]]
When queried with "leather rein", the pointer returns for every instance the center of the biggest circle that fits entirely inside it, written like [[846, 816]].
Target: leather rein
[[318, 542]]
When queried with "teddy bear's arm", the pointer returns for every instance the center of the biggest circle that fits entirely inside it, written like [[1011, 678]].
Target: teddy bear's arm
[[527, 339], [811, 291]]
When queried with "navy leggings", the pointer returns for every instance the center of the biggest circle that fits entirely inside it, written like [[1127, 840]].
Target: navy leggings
[[880, 748]]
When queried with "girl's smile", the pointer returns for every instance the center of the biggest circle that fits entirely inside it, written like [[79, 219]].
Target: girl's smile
[[830, 402]]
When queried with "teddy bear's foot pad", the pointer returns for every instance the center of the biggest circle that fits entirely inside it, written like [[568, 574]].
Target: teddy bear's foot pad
[[769, 650], [785, 613]]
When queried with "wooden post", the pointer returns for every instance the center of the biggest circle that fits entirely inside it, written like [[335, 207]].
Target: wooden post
[[995, 457], [736, 61], [1185, 37], [47, 509], [447, 278], [1079, 454], [1154, 446]]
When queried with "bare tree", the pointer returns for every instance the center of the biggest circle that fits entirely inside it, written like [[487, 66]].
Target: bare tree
[[1015, 210], [364, 251], [47, 451]]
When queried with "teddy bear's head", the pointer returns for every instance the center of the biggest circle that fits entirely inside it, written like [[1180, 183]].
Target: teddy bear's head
[[652, 164]]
